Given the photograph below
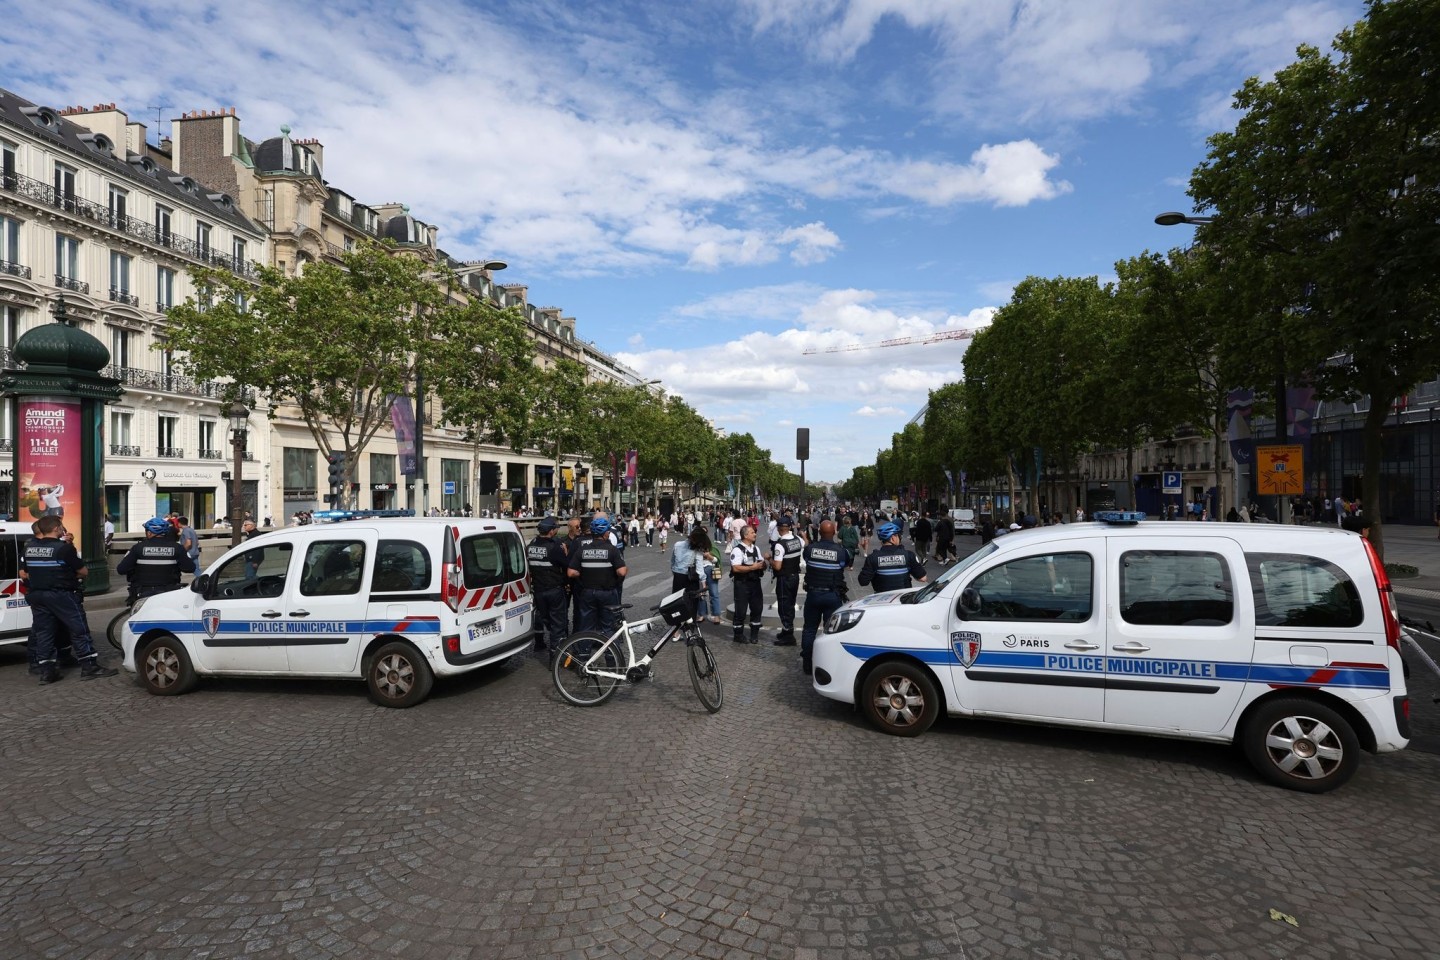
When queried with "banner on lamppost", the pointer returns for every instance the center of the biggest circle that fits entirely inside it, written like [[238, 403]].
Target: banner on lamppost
[[632, 465], [48, 464], [402, 417]]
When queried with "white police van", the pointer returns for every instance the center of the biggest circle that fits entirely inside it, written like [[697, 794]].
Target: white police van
[[1285, 640], [395, 602], [15, 611]]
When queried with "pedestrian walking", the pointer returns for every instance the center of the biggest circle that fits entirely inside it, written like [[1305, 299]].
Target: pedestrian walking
[[921, 532], [849, 539], [945, 539]]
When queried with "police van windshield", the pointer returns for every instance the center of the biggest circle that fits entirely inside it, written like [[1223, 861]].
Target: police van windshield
[[934, 586]]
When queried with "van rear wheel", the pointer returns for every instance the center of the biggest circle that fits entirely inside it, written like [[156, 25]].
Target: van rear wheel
[[399, 676], [1301, 745]]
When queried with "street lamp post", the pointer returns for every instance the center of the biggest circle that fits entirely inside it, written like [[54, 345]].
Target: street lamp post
[[1282, 413], [421, 504], [239, 415]]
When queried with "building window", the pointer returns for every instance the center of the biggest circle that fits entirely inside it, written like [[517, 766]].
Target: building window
[[117, 207], [208, 450], [164, 288], [9, 326], [237, 252], [119, 275], [9, 164], [168, 436], [299, 476], [119, 347], [64, 186], [202, 238], [163, 219], [9, 242], [67, 257], [121, 444]]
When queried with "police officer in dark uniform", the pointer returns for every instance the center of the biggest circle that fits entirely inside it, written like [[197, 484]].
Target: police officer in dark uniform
[[549, 576], [826, 561], [53, 570], [154, 564], [597, 566], [891, 566], [785, 561]]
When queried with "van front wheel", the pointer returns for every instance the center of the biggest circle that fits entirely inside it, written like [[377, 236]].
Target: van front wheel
[[399, 676], [1301, 745]]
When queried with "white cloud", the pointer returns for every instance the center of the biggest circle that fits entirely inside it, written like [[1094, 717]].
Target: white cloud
[[869, 411]]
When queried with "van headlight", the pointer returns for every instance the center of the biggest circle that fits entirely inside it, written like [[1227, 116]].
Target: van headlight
[[842, 620]]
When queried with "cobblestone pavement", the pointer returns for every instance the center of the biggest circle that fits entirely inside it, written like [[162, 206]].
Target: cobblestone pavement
[[494, 821]]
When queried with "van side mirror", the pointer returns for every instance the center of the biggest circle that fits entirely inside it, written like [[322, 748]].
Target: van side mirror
[[969, 600], [201, 583]]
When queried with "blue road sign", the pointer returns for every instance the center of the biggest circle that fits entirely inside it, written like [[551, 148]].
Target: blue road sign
[[1170, 481], [449, 487]]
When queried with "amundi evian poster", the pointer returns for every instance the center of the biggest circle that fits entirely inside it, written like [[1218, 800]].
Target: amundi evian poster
[[48, 464]]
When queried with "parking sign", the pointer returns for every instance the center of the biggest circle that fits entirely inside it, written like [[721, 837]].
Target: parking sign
[[1170, 481]]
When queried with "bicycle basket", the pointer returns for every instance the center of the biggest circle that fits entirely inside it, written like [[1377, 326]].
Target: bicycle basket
[[677, 607]]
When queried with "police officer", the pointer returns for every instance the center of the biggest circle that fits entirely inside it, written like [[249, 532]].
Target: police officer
[[597, 566], [891, 566], [53, 570], [785, 561], [825, 564], [549, 575], [154, 564], [747, 565]]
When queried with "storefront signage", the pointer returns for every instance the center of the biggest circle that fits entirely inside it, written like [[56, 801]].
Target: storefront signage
[[383, 486], [207, 475], [299, 493]]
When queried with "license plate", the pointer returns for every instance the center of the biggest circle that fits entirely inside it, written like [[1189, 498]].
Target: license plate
[[484, 629]]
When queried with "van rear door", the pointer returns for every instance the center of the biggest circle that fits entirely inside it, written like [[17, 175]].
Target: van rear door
[[494, 606]]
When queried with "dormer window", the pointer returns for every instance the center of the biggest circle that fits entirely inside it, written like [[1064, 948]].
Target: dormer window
[[143, 164], [184, 183], [221, 200], [98, 142], [42, 117]]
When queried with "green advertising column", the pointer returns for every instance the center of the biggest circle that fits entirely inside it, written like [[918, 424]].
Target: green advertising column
[[58, 401]]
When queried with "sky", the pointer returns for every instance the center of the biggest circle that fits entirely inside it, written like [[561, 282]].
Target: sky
[[712, 188]]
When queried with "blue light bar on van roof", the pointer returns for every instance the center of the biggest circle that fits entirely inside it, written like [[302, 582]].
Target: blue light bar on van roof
[[333, 516], [1119, 516]]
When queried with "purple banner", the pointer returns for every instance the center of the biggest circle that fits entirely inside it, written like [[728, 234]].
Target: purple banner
[[1238, 405], [402, 416], [632, 466]]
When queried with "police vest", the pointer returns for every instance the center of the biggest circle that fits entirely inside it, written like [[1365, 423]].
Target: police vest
[[749, 554], [825, 562], [790, 563], [156, 563], [596, 558], [547, 563], [890, 568], [48, 562]]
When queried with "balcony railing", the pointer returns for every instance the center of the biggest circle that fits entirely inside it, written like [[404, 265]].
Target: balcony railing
[[248, 457], [162, 306], [334, 250], [148, 232], [70, 283], [124, 450], [171, 452], [168, 382], [15, 269], [212, 454], [120, 296]]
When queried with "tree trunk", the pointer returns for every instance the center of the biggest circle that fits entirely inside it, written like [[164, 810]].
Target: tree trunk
[[1370, 482]]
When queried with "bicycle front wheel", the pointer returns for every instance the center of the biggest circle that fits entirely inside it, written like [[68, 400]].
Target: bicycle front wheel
[[580, 684], [116, 625], [705, 674]]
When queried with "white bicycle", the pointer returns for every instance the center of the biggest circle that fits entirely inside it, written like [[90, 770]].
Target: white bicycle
[[590, 666]]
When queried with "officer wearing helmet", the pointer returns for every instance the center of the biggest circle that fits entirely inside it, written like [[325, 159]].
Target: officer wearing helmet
[[891, 566], [597, 567], [785, 561], [154, 564]]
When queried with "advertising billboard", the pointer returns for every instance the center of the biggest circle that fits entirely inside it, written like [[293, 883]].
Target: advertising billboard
[[48, 461]]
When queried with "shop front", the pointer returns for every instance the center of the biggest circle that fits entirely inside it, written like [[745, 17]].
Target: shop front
[[188, 491]]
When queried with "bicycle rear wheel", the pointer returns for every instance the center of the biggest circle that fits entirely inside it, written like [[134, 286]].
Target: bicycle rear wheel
[[117, 623], [704, 674], [579, 685]]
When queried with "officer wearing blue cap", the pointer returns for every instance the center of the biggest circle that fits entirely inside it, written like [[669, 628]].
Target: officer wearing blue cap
[[785, 561], [549, 580], [891, 566], [597, 566]]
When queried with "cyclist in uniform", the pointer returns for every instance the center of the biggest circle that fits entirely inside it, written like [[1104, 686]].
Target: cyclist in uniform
[[598, 567], [154, 564], [891, 566]]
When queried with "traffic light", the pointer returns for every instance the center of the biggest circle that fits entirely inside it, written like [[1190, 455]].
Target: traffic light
[[337, 470]]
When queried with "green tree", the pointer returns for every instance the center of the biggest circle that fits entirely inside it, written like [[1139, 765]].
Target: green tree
[[336, 342], [1327, 216]]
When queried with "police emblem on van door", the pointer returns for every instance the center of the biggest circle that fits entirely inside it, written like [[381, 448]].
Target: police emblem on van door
[[966, 645], [210, 620]]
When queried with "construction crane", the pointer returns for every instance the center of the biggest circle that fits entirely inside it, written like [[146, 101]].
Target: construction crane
[[897, 342]]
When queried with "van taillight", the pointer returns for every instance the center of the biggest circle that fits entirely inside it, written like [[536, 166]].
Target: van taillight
[[452, 642], [1387, 596]]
